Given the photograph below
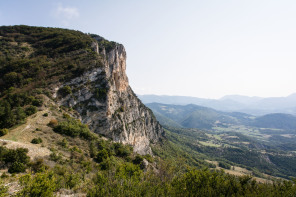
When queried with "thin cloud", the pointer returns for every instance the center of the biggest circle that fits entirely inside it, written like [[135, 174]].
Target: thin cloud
[[66, 14]]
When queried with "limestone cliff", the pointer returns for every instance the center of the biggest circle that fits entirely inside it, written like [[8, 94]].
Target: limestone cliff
[[105, 101]]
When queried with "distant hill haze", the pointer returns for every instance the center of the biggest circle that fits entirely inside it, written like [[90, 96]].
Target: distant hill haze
[[251, 105], [194, 116]]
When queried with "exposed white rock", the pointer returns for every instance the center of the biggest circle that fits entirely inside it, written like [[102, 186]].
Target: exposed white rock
[[108, 105]]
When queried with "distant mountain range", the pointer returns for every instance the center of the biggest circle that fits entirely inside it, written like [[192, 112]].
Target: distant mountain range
[[194, 116], [232, 103]]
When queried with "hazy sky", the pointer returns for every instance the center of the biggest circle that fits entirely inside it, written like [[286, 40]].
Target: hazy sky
[[193, 48]]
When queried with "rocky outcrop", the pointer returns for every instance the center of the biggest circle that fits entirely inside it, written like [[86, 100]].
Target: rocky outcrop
[[105, 102]]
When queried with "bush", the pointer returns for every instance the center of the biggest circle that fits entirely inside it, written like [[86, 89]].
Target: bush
[[37, 102], [64, 143], [30, 110], [38, 166], [18, 155], [74, 128], [138, 160], [36, 141], [43, 184], [149, 158], [53, 123], [17, 167], [3, 132], [4, 175], [72, 180], [102, 155], [55, 157], [45, 115], [122, 150], [224, 165], [64, 91], [129, 170]]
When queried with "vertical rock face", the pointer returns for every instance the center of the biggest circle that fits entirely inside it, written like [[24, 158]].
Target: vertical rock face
[[108, 105]]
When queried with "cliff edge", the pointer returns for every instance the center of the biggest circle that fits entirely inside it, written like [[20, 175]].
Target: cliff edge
[[84, 72]]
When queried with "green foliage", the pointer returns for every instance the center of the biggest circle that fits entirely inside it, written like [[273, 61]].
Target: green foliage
[[100, 94], [74, 128], [107, 45], [64, 143], [206, 183], [92, 149], [3, 132], [3, 190], [38, 166], [16, 160], [224, 165], [138, 159], [129, 171], [149, 158], [55, 156], [64, 91], [17, 167], [43, 185], [122, 150], [276, 120], [30, 110], [72, 179], [102, 155], [15, 108], [11, 78], [36, 140]]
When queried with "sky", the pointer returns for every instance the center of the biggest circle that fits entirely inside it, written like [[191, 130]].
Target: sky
[[200, 48]]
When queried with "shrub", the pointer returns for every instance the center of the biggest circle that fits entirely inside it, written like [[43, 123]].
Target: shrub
[[3, 190], [106, 164], [149, 158], [72, 180], [55, 157], [43, 184], [122, 150], [224, 165], [3, 132], [64, 143], [74, 128], [53, 123], [36, 141], [64, 91], [20, 114], [102, 155], [100, 94], [17, 167], [38, 166], [30, 110], [18, 155], [45, 115], [138, 159], [129, 170], [4, 175], [11, 78], [37, 102]]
